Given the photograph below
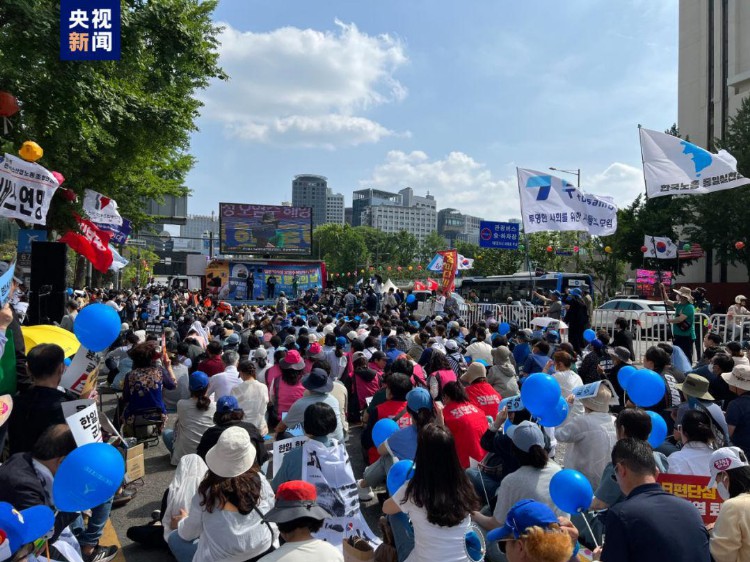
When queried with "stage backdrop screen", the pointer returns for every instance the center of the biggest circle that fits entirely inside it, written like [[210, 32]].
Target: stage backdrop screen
[[265, 229]]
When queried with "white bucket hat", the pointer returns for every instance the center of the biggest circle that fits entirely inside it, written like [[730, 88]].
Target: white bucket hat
[[233, 454]]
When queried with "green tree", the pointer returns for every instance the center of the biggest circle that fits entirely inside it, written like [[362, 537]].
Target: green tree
[[430, 246], [491, 262], [342, 247], [119, 127], [720, 218]]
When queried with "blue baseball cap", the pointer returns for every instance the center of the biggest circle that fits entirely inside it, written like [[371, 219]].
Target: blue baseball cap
[[419, 398], [521, 517], [198, 381], [24, 527], [227, 404], [576, 292], [342, 341]]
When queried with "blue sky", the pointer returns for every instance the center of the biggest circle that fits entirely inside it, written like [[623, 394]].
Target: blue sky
[[442, 96]]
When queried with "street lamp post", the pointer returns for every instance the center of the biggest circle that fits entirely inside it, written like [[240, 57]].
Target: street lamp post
[[577, 174]]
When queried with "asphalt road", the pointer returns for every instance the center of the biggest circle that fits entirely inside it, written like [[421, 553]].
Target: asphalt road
[[159, 473]]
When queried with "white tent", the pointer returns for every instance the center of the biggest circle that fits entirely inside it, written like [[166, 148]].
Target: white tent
[[388, 285]]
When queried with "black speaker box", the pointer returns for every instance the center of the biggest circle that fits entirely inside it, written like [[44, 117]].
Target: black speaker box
[[47, 292]]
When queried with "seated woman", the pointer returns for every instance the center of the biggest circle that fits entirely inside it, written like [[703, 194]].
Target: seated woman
[[142, 389], [430, 518], [225, 520], [466, 422], [194, 417], [697, 438]]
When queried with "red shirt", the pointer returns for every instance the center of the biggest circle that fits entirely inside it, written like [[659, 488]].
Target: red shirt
[[484, 397], [389, 409], [212, 366], [467, 423]]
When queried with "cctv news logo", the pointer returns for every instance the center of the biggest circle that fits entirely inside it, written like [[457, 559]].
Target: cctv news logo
[[90, 30]]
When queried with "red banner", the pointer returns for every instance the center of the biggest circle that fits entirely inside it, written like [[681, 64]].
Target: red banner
[[695, 490], [432, 285], [419, 286], [450, 265], [92, 243]]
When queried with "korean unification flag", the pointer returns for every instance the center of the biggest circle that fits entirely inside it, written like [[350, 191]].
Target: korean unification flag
[[673, 166], [659, 247], [552, 203]]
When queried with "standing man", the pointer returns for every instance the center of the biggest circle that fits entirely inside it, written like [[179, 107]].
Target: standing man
[[271, 286], [651, 525], [250, 285], [67, 321]]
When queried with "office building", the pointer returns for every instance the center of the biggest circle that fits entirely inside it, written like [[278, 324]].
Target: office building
[[195, 234], [455, 227], [348, 214], [334, 207], [365, 198], [394, 212], [714, 78]]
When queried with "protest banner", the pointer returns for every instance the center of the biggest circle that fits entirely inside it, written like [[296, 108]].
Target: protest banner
[[281, 448], [6, 284], [26, 190], [695, 490], [513, 403], [587, 390], [81, 369], [83, 418]]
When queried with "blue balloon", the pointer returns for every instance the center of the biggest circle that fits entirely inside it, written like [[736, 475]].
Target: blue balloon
[[382, 430], [540, 393], [67, 361], [646, 388], [69, 291], [144, 315], [624, 375], [555, 416], [88, 477], [658, 430], [589, 335], [503, 328], [399, 474], [570, 491], [410, 299], [97, 326]]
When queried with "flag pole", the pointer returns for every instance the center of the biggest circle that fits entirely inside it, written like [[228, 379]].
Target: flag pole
[[532, 277]]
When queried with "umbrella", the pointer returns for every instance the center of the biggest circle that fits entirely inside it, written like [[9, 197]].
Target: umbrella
[[45, 333], [549, 323]]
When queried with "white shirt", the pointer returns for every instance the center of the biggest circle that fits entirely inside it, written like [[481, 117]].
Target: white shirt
[[592, 437], [433, 542], [253, 398], [692, 460], [228, 536], [439, 303], [305, 551], [221, 384]]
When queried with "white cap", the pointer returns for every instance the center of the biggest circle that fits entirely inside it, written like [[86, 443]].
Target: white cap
[[352, 335], [258, 334], [725, 459]]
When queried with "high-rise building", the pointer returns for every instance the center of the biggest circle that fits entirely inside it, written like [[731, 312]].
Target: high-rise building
[[311, 191], [714, 78], [455, 227], [196, 233], [348, 214], [334, 207], [394, 212]]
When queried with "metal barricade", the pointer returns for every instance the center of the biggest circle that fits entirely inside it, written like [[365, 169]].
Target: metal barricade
[[730, 328], [475, 312]]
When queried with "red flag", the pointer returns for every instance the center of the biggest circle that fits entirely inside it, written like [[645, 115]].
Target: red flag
[[92, 243], [450, 265], [419, 286], [432, 285]]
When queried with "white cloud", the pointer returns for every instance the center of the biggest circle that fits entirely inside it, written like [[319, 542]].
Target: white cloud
[[461, 182], [304, 87]]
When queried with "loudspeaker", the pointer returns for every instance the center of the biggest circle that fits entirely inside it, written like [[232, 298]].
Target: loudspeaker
[[47, 292]]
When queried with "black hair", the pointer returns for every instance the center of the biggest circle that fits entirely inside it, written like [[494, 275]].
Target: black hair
[[636, 423], [214, 348], [456, 392], [223, 418], [445, 506], [620, 322], [399, 384], [696, 425], [658, 357], [312, 525], [603, 336], [668, 349], [724, 362], [291, 376], [56, 441], [542, 346], [438, 362], [44, 360], [537, 456], [739, 480], [735, 348], [714, 337], [203, 401], [319, 419], [247, 367], [636, 454]]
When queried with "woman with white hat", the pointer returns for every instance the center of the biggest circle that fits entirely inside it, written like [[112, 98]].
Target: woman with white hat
[[730, 472], [225, 522]]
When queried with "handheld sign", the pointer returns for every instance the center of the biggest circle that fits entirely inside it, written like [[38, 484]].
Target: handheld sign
[[6, 284], [83, 419], [513, 403], [587, 390], [80, 370]]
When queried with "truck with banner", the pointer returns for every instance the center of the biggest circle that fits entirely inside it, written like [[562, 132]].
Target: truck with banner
[[263, 280]]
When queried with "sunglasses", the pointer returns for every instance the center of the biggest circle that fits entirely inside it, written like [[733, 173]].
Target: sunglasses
[[613, 476]]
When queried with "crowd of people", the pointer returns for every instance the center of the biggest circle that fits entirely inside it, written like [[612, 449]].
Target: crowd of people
[[219, 384]]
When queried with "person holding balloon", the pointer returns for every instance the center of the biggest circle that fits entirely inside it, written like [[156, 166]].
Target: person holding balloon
[[438, 500]]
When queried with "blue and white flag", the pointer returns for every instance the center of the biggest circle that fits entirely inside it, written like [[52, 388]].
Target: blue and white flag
[[437, 263], [673, 166], [118, 262], [552, 203]]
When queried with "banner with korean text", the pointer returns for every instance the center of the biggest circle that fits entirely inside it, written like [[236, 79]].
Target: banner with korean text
[[695, 490], [552, 203], [26, 190]]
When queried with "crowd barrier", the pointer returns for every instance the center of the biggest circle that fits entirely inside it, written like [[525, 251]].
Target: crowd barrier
[[730, 328]]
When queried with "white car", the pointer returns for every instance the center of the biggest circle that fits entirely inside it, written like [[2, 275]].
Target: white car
[[645, 315]]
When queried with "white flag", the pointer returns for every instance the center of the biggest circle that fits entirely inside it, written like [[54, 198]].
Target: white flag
[[118, 262], [101, 209], [659, 247], [673, 166], [26, 190], [552, 203]]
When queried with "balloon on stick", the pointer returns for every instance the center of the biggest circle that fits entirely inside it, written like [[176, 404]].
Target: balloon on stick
[[382, 430], [555, 416], [503, 328], [658, 430], [589, 335], [88, 477], [646, 388], [399, 473], [571, 491], [97, 326]]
